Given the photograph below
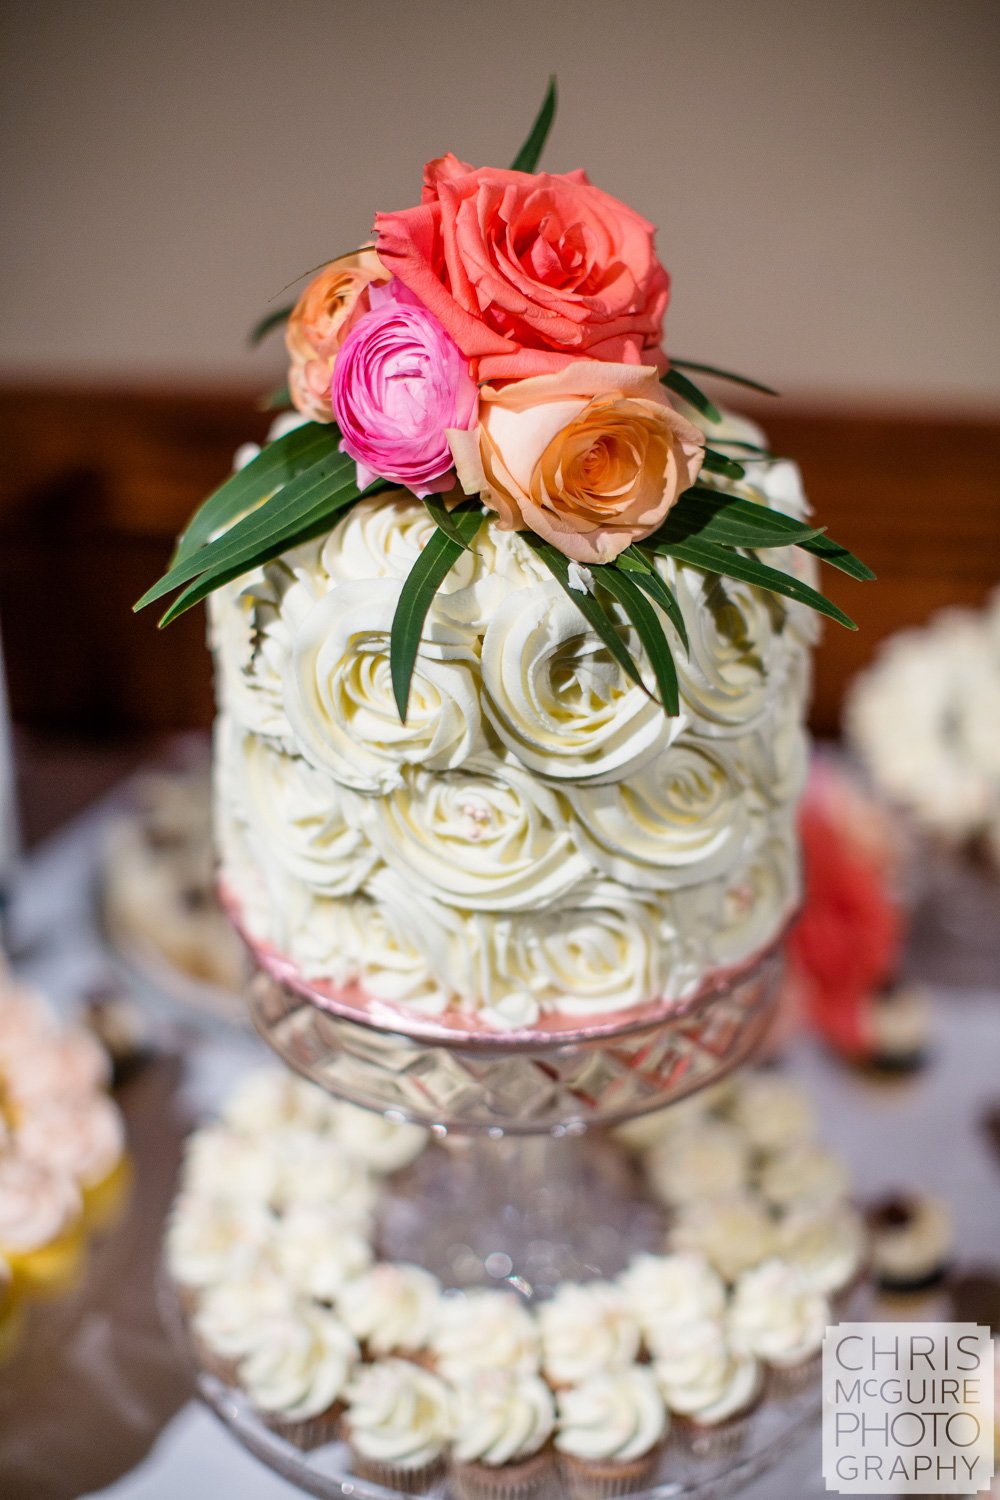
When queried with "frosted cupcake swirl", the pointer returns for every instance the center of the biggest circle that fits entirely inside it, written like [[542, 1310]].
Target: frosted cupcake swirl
[[618, 1416], [455, 863], [400, 1415], [501, 1417]]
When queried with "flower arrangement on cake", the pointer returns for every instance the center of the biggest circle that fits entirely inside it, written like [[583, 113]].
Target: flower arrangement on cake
[[511, 623]]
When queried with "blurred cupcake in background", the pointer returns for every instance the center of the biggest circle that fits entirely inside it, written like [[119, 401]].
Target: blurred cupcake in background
[[709, 1387], [779, 1318], [41, 1226]]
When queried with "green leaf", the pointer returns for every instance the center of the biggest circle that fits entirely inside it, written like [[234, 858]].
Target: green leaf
[[715, 516], [268, 323], [278, 463], [419, 587], [444, 518], [832, 552], [593, 611], [634, 561], [699, 369], [327, 486], [689, 392], [528, 157], [277, 400], [718, 463], [752, 448], [209, 582], [729, 564], [643, 616]]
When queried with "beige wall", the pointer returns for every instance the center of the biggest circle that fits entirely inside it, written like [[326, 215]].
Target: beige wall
[[823, 171]]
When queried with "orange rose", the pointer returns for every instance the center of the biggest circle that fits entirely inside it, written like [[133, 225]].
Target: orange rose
[[320, 321], [591, 459], [529, 271]]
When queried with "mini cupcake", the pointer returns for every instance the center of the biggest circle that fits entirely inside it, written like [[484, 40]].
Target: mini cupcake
[[774, 1112], [776, 1316], [586, 1329], [297, 1372], [41, 1225], [610, 1433], [210, 1241], [383, 1146], [805, 1174], [392, 1309], [708, 1386], [484, 1329], [734, 1233], [912, 1238], [710, 1158], [899, 1027], [220, 1163], [503, 1420], [826, 1244], [317, 1252], [231, 1319], [398, 1424], [667, 1291], [64, 1066], [85, 1139], [314, 1169]]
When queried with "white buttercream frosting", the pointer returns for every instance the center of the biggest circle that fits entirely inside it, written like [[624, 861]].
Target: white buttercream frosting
[[484, 1330], [776, 1315], [733, 1232], [400, 1415], [616, 1416], [502, 1416], [300, 1366], [587, 1328], [701, 1377], [538, 837], [392, 1308], [667, 1291]]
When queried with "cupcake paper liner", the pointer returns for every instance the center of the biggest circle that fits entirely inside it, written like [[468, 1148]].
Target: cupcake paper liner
[[521, 1481], [603, 1481]]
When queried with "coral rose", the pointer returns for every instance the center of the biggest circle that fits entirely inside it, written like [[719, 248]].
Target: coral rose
[[398, 383], [528, 271], [591, 459], [320, 321]]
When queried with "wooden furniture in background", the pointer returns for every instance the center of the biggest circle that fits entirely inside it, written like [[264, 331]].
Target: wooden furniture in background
[[95, 484]]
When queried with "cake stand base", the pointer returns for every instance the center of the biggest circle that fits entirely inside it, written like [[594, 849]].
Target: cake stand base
[[529, 1213]]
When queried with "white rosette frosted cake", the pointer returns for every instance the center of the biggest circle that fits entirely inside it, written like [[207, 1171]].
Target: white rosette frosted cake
[[539, 844], [512, 632]]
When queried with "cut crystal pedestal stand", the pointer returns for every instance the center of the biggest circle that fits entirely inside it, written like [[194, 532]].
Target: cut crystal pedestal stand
[[528, 1187]]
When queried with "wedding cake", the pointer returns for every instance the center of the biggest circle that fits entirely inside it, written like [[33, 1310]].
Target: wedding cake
[[512, 628]]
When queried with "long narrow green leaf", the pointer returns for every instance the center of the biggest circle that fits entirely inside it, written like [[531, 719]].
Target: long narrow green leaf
[[445, 519], [649, 630], [278, 463], [832, 552], [718, 463], [321, 521], [714, 559], [753, 449], [528, 157], [328, 481], [681, 386], [269, 321], [700, 369], [593, 611], [419, 587], [716, 516], [634, 561]]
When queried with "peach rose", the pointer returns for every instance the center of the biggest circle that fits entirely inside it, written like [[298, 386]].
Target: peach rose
[[591, 458], [529, 271], [320, 321]]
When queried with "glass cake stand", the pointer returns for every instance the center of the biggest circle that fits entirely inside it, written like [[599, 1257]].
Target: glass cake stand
[[525, 1185]]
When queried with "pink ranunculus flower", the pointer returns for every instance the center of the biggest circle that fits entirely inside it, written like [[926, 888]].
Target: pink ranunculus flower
[[591, 458], [529, 271], [398, 383], [319, 323]]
